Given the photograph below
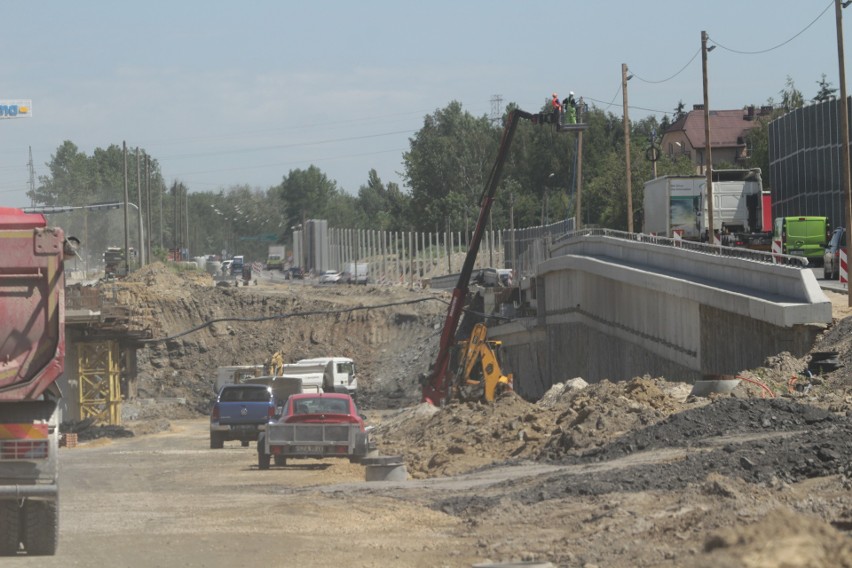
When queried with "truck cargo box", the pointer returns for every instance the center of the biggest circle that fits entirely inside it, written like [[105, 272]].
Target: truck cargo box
[[32, 308]]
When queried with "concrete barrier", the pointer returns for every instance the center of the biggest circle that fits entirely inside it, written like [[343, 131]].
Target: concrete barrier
[[384, 468]]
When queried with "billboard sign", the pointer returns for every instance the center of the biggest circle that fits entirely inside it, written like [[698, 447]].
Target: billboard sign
[[16, 108]]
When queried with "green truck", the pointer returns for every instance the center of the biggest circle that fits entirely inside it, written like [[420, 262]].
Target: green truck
[[805, 236]]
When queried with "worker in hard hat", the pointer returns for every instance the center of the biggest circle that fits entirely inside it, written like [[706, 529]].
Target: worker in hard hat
[[569, 107]]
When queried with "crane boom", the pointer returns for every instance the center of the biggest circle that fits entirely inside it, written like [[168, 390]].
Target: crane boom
[[436, 384]]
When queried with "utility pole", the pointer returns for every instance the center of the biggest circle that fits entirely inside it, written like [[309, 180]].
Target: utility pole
[[186, 218], [32, 178], [162, 192], [126, 202], [844, 128], [139, 208], [175, 201], [512, 232], [148, 205], [624, 79], [708, 157], [491, 240], [578, 223]]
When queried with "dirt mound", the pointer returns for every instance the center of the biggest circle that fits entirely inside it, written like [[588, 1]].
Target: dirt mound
[[781, 538], [159, 281], [757, 440], [594, 415], [464, 436]]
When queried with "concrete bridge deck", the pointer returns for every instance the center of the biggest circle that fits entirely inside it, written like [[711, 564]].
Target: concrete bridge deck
[[613, 306]]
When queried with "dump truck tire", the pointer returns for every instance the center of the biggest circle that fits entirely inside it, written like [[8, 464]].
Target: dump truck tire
[[280, 460], [41, 527], [217, 441], [9, 525]]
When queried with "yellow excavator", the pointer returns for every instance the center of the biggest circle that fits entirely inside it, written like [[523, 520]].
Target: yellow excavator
[[477, 374], [275, 364]]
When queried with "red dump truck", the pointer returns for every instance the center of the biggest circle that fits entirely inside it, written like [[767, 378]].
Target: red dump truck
[[32, 357]]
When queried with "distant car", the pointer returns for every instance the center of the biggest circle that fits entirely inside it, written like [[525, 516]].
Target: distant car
[[831, 259], [295, 273], [226, 266], [330, 277], [237, 265]]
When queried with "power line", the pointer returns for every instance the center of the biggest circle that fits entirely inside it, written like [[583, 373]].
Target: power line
[[282, 146], [239, 134], [830, 4], [279, 164], [609, 104], [681, 70]]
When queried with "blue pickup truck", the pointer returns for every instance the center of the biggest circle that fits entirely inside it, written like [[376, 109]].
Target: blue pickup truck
[[240, 413]]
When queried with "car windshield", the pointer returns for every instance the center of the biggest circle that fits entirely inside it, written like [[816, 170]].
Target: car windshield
[[321, 406]]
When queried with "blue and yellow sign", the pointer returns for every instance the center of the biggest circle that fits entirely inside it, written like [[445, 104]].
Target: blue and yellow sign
[[16, 108]]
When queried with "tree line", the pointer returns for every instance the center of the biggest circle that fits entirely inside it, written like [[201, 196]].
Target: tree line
[[444, 170]]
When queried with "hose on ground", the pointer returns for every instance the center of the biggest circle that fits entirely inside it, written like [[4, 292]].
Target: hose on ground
[[758, 383]]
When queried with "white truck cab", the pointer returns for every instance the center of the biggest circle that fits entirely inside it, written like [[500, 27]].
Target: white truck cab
[[331, 374]]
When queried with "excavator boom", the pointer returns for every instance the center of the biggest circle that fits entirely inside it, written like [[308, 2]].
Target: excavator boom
[[436, 385]]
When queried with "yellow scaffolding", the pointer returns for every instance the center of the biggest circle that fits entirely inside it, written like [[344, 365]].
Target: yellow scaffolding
[[99, 380]]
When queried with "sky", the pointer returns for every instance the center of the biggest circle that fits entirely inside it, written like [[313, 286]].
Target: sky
[[241, 93]]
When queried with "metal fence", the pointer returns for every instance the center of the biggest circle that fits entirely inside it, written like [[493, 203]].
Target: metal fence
[[705, 248], [525, 249], [394, 257]]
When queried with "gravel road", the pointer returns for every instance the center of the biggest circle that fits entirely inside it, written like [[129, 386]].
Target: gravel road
[[167, 500]]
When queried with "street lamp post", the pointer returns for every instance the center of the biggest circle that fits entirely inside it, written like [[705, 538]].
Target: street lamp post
[[708, 160], [624, 78]]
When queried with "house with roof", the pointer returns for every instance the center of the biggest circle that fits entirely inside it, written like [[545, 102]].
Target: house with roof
[[728, 130]]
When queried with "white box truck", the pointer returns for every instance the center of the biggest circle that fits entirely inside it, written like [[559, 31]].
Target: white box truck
[[678, 205], [355, 273]]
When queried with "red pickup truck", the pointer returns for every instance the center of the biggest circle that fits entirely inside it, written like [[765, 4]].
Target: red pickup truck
[[315, 425]]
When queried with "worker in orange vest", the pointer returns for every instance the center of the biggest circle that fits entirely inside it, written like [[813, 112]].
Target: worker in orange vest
[[557, 108]]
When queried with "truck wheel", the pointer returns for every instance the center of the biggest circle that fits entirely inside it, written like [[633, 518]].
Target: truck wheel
[[262, 460], [41, 527], [217, 441], [9, 525], [280, 460], [244, 443]]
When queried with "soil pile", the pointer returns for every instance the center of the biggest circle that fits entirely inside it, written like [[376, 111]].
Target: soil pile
[[464, 436]]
